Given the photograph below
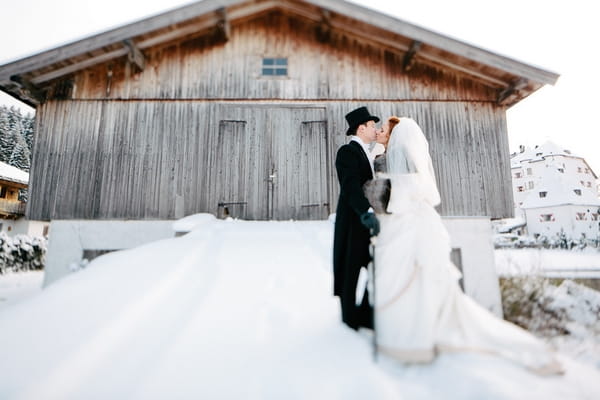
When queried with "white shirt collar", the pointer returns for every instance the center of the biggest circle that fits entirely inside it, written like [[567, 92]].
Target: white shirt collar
[[367, 151]]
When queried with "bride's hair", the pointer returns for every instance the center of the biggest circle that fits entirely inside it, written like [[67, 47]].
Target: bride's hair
[[392, 122]]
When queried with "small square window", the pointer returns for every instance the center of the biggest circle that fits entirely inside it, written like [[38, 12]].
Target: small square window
[[272, 66], [577, 192], [543, 194], [546, 217]]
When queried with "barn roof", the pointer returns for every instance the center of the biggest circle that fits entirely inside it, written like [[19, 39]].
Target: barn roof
[[27, 78]]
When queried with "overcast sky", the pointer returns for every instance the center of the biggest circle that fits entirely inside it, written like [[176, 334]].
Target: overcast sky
[[559, 36]]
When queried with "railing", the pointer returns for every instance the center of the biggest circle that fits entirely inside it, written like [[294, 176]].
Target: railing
[[8, 207]]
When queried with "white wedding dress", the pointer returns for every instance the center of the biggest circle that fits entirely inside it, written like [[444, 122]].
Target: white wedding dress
[[420, 309]]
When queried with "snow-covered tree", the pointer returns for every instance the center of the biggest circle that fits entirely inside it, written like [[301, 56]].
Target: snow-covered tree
[[16, 136]]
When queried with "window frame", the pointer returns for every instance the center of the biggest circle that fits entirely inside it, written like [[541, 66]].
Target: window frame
[[274, 67]]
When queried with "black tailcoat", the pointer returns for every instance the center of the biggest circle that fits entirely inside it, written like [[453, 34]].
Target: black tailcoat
[[351, 238]]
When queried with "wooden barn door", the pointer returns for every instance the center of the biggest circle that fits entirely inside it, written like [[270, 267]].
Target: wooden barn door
[[298, 164], [269, 163], [236, 168]]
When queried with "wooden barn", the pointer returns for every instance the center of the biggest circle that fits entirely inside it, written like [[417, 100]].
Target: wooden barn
[[236, 107]]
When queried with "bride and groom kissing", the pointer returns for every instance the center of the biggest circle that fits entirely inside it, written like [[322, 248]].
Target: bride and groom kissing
[[418, 309]]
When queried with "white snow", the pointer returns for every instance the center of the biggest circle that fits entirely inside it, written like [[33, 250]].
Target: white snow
[[232, 310], [15, 287], [13, 174], [549, 262]]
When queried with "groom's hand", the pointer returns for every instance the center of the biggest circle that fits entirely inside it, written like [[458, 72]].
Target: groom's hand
[[370, 221]]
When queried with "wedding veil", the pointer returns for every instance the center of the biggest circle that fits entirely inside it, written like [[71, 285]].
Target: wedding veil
[[409, 164]]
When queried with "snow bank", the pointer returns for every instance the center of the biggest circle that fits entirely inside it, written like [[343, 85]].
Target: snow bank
[[242, 310]]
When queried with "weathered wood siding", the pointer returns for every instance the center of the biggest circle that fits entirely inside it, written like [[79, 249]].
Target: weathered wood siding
[[199, 130], [342, 69], [469, 147], [161, 159]]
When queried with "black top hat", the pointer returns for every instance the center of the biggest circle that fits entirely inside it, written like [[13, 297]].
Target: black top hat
[[357, 117]]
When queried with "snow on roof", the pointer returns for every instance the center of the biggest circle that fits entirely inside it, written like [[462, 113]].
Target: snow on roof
[[13, 174], [508, 224], [538, 153]]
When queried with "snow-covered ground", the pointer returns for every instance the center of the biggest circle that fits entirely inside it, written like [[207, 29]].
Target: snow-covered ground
[[232, 310], [15, 287], [549, 262]]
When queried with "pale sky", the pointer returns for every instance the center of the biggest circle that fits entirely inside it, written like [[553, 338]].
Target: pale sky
[[559, 36]]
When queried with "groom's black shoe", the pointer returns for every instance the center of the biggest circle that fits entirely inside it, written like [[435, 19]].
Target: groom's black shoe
[[359, 316]]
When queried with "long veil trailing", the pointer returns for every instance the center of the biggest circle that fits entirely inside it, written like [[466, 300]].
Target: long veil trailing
[[420, 309]]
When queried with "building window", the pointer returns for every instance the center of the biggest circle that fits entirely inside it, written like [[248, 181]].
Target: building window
[[577, 192], [274, 66], [520, 189], [587, 171], [589, 184], [530, 185], [580, 216], [582, 183], [3, 193], [546, 217], [578, 169], [543, 194], [517, 175], [595, 216], [561, 170], [529, 172]]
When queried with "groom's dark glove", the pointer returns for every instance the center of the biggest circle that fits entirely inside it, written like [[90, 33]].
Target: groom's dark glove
[[370, 221]]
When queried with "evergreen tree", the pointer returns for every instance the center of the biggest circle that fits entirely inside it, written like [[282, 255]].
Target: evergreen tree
[[16, 136], [21, 155], [28, 129], [6, 144]]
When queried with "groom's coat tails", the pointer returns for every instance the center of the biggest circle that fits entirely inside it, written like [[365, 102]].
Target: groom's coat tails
[[351, 238]]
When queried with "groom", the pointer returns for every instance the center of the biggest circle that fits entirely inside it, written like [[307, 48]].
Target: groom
[[355, 221]]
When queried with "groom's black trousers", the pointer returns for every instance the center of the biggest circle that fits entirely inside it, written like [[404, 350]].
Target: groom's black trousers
[[351, 238]]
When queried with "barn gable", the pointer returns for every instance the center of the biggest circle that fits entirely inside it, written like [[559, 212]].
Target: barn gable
[[44, 75]]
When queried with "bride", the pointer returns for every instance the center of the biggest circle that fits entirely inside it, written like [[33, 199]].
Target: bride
[[419, 307]]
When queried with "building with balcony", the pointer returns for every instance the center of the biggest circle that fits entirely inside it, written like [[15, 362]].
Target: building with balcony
[[12, 210]]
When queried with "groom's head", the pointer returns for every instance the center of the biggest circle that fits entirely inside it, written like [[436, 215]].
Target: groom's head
[[362, 124]]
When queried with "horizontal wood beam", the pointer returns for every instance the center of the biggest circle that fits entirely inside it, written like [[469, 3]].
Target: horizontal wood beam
[[153, 41], [392, 44], [322, 12], [80, 65], [108, 38], [406, 29]]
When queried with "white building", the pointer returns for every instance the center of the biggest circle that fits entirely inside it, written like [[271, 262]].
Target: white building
[[555, 190]]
